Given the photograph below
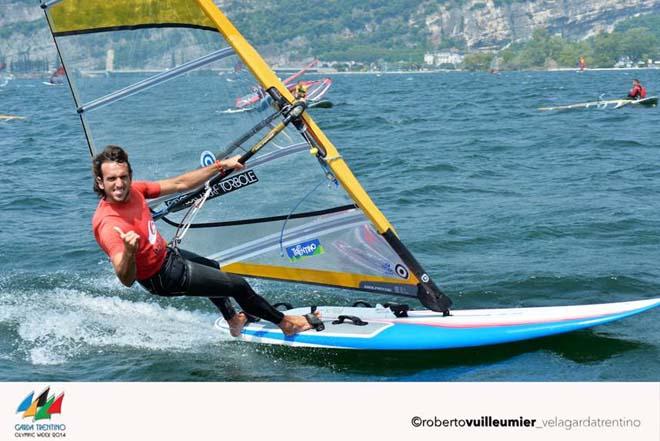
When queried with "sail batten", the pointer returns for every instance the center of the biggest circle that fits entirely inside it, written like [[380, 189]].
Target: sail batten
[[281, 217], [156, 79]]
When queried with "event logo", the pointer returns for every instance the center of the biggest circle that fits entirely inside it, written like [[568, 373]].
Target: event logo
[[305, 249], [42, 407]]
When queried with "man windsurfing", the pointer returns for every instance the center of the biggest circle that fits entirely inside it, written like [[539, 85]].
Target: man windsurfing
[[300, 91], [124, 228]]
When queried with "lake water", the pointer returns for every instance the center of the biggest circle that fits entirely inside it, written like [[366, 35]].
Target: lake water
[[504, 205]]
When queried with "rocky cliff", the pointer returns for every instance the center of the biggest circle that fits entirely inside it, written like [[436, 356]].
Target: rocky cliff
[[469, 24], [494, 24]]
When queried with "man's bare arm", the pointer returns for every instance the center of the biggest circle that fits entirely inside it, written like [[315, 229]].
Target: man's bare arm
[[195, 178]]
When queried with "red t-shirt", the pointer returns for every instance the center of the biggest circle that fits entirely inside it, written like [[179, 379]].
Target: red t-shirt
[[133, 215]]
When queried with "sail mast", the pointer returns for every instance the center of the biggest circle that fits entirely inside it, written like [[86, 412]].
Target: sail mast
[[74, 92]]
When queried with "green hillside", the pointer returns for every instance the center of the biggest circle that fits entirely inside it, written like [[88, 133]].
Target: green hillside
[[340, 30]]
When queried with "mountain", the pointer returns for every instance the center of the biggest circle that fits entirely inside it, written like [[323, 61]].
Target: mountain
[[390, 30], [494, 24]]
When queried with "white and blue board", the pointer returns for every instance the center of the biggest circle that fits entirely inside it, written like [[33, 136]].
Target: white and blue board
[[428, 330]]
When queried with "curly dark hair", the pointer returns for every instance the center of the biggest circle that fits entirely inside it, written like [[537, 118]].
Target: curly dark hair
[[111, 153]]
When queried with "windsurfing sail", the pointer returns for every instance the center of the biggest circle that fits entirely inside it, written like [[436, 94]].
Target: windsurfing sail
[[296, 213], [315, 90]]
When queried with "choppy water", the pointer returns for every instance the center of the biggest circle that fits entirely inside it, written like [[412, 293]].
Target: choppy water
[[503, 204]]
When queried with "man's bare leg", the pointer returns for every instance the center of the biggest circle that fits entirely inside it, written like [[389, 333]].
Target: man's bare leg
[[293, 324], [236, 324]]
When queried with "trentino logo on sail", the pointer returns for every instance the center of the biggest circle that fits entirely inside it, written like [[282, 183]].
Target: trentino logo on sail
[[42, 407], [305, 249]]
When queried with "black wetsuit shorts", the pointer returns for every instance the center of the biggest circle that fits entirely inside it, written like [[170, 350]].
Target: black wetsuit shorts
[[186, 274]]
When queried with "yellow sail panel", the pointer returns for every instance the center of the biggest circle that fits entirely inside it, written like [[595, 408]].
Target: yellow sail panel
[[32, 410], [318, 277], [83, 16]]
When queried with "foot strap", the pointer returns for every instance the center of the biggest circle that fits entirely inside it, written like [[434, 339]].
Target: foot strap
[[357, 321], [315, 322]]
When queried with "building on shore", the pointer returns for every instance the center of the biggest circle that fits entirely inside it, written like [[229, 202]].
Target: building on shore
[[445, 58]]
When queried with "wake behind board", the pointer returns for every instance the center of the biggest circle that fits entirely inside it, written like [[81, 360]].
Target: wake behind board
[[651, 101], [379, 328]]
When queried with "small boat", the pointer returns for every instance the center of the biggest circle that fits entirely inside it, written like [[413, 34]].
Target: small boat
[[651, 101]]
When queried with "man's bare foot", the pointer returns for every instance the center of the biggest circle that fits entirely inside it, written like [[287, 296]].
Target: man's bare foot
[[293, 324], [236, 324]]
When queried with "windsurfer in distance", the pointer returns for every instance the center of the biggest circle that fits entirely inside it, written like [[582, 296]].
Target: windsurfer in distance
[[57, 77], [125, 230], [300, 92], [638, 92]]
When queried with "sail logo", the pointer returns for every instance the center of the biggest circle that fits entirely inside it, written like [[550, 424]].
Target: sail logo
[[227, 185], [41, 408], [303, 250], [401, 271], [234, 183], [206, 158]]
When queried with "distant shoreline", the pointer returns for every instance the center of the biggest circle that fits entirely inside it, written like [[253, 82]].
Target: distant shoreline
[[575, 69], [39, 75]]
